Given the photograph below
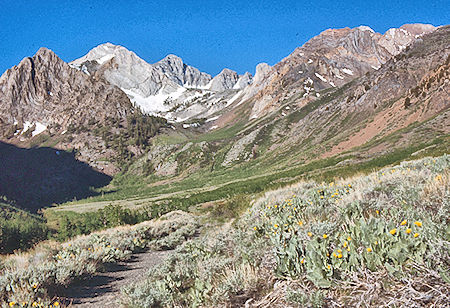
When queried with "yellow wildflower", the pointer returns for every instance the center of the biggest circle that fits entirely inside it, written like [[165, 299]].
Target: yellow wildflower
[[325, 236], [345, 244], [416, 234], [339, 250], [378, 212], [339, 256], [254, 228], [275, 226], [321, 197], [329, 266], [12, 304], [349, 238], [309, 234], [403, 222], [408, 231], [348, 248], [334, 255], [393, 231], [56, 304], [302, 261], [418, 223], [300, 223], [369, 249]]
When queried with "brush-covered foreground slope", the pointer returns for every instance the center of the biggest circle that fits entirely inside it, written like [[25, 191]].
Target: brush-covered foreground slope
[[372, 240], [39, 278], [382, 117]]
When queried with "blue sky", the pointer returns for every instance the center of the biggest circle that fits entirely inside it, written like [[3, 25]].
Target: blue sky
[[209, 35]]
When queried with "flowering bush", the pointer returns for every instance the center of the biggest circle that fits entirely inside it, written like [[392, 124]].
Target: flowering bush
[[49, 267]]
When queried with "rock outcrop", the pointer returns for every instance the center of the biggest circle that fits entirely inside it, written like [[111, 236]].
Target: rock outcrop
[[331, 59], [44, 89], [225, 80], [181, 73]]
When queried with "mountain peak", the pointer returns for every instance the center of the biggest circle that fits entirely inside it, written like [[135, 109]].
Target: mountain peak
[[43, 50], [365, 28], [225, 80], [418, 29], [172, 57], [181, 73]]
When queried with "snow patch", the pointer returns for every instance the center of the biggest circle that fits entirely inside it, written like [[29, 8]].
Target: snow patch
[[310, 61], [155, 103], [27, 125], [332, 84], [212, 119], [366, 28], [320, 77], [376, 67], [105, 58], [213, 127], [404, 31], [39, 129], [347, 71], [191, 125], [233, 99]]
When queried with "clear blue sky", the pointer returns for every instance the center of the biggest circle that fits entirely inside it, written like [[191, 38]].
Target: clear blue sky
[[209, 35]]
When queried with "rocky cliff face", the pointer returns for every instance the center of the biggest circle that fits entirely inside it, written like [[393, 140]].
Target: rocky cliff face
[[123, 68], [181, 73], [44, 99], [243, 81], [169, 88], [225, 80], [331, 59], [44, 89]]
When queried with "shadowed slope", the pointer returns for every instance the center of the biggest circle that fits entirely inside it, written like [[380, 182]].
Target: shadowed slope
[[39, 177]]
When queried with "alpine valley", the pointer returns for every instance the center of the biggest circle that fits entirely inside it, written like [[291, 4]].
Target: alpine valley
[[110, 134]]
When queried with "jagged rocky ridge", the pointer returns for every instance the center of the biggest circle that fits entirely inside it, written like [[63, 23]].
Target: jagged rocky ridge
[[44, 101], [169, 88], [331, 59], [402, 104], [72, 102]]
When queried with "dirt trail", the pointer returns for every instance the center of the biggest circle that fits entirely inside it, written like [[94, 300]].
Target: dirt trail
[[103, 289]]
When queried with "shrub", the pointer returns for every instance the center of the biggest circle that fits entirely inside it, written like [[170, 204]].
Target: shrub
[[19, 229]]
